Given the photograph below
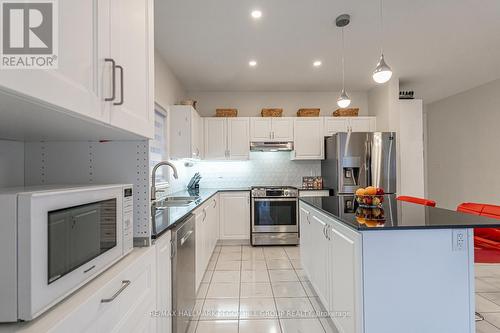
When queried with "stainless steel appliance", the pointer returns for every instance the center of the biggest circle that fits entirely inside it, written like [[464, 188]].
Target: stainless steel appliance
[[271, 146], [354, 160], [183, 274], [274, 216], [53, 240]]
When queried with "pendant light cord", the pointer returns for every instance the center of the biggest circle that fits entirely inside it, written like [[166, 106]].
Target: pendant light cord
[[381, 27], [343, 61]]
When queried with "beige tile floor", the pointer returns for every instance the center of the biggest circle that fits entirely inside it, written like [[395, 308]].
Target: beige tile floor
[[258, 290], [488, 297]]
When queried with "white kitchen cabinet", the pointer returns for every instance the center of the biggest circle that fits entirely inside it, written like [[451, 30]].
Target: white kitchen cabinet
[[235, 215], [77, 83], [227, 138], [344, 252], [271, 129], [93, 36], [130, 285], [308, 139], [321, 265], [132, 48], [332, 259], [164, 282], [186, 132], [206, 219], [238, 138], [345, 124]]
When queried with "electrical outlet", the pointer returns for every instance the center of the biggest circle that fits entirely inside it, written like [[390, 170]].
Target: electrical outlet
[[459, 239]]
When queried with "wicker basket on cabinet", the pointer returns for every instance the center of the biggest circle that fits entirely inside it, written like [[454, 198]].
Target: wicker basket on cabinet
[[226, 112], [271, 112], [348, 112], [308, 113]]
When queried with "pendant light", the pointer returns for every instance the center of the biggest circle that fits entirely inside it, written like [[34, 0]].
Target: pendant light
[[343, 101], [382, 72]]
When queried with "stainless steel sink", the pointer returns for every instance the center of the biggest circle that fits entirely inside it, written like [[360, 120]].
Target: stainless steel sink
[[175, 201]]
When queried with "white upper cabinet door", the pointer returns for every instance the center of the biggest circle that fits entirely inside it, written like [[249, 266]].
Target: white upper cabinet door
[[260, 129], [215, 139], [308, 139], [335, 125], [238, 138], [362, 124], [282, 129], [132, 50], [196, 134], [77, 84], [235, 215]]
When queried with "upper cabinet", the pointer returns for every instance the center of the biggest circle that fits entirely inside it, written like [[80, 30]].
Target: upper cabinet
[[227, 138], [186, 132], [308, 139], [105, 66], [271, 129], [345, 124], [132, 49]]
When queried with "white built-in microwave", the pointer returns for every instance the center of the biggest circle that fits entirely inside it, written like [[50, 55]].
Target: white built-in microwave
[[53, 240]]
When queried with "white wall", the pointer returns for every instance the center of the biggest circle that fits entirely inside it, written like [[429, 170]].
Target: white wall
[[382, 102], [250, 103], [11, 163], [168, 89], [463, 154]]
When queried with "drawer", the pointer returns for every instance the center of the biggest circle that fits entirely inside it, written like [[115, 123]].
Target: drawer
[[133, 294]]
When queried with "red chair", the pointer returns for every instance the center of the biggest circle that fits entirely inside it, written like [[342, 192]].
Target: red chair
[[486, 240], [419, 201]]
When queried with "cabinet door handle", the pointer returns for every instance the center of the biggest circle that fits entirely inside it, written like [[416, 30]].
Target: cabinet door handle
[[121, 85], [125, 284], [204, 215], [113, 80], [215, 203]]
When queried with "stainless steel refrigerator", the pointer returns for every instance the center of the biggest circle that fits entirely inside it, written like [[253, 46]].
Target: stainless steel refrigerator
[[354, 160]]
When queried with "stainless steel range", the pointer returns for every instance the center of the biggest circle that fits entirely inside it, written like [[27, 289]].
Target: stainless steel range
[[274, 215]]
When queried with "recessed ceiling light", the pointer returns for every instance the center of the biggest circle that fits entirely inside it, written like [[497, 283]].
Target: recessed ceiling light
[[317, 63], [256, 14], [252, 63]]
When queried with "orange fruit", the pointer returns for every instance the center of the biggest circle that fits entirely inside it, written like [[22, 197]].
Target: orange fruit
[[370, 190], [360, 191]]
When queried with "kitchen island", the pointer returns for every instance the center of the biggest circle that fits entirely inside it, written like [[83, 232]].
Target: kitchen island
[[401, 268]]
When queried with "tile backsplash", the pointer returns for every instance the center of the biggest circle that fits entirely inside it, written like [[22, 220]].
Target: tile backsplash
[[263, 168]]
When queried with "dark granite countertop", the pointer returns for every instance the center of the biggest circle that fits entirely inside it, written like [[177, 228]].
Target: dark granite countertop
[[168, 218], [396, 215]]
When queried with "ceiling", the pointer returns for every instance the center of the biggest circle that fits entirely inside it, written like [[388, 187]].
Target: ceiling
[[437, 48]]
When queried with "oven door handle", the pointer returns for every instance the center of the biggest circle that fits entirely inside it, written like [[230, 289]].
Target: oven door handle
[[275, 199]]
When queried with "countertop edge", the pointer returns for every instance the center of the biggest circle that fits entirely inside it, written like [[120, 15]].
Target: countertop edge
[[391, 228], [183, 217]]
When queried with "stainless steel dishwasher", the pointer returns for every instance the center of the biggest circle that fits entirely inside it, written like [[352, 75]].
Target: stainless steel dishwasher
[[183, 274]]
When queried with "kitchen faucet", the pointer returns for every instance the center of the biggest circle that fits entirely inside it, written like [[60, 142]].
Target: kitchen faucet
[[153, 177]]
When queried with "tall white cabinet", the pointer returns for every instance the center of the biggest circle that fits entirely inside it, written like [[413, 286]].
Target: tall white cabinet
[[227, 138], [100, 42]]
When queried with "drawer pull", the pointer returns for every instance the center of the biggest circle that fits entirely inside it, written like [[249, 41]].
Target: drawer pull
[[125, 284]]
